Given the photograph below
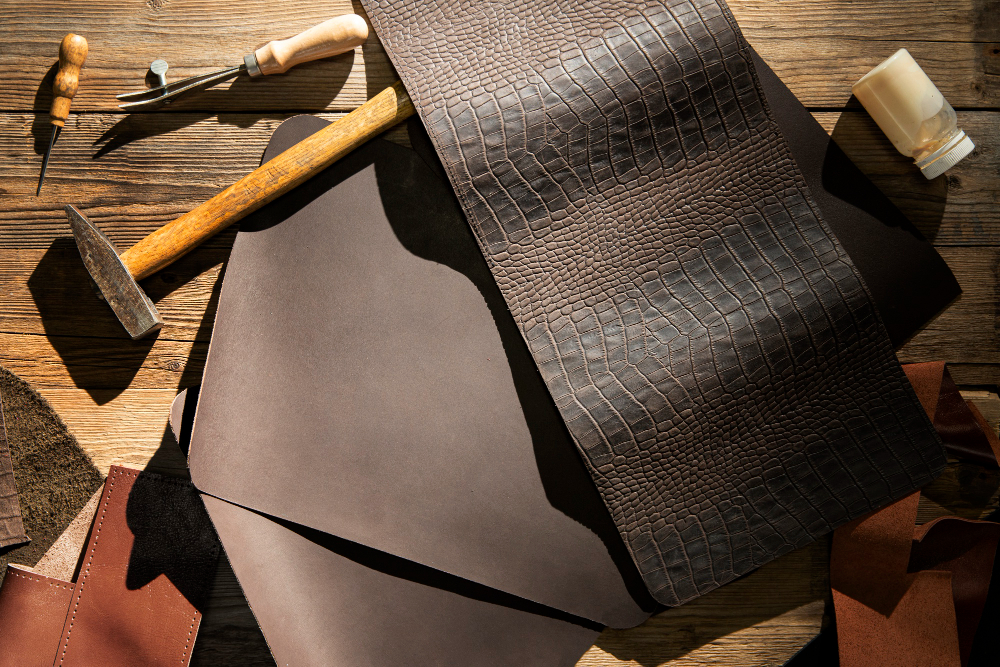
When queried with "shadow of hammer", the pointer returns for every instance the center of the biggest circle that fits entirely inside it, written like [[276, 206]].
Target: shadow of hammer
[[117, 275]]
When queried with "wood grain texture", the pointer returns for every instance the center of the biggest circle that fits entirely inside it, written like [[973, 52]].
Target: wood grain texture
[[818, 48], [132, 173], [47, 294]]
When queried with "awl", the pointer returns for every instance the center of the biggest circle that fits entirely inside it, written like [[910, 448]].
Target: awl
[[329, 38], [72, 53]]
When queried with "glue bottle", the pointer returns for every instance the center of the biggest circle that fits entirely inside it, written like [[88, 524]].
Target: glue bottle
[[913, 114]]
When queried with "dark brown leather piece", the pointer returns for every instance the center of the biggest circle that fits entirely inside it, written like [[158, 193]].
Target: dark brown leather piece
[[146, 568], [908, 280], [32, 613], [11, 526], [709, 344]]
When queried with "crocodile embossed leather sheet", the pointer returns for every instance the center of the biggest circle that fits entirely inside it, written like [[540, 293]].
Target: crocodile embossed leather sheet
[[712, 349]]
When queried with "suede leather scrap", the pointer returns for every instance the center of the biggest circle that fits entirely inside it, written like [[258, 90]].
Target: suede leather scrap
[[914, 595], [709, 344], [55, 477], [11, 525]]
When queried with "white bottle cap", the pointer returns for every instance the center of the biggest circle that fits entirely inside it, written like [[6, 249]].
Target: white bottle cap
[[946, 157]]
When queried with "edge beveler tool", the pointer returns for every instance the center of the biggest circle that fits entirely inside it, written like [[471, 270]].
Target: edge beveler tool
[[329, 38], [117, 274]]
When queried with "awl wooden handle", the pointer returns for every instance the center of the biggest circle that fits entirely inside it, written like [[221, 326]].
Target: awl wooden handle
[[329, 38], [72, 53], [268, 182]]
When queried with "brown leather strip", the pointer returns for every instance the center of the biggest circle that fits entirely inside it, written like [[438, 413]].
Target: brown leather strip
[[920, 631], [926, 379], [122, 611], [987, 429], [11, 526], [32, 613], [958, 427]]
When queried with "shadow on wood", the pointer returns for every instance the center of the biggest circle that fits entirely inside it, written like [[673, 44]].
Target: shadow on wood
[[41, 126], [141, 125], [784, 599], [861, 140], [83, 330]]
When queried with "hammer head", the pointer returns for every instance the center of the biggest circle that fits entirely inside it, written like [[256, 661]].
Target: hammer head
[[120, 290]]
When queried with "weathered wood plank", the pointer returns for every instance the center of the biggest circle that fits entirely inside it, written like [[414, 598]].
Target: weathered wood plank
[[819, 48], [195, 38], [975, 374], [762, 619], [967, 331], [47, 292], [129, 174], [132, 174], [126, 428]]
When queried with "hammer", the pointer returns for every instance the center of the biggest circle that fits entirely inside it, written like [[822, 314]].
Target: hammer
[[117, 274]]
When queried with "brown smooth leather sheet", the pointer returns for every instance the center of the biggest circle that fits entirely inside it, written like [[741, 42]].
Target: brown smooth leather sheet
[[712, 349], [365, 380], [322, 600], [11, 526], [144, 574]]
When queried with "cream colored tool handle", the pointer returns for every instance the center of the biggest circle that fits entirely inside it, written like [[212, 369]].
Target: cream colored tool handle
[[269, 181], [321, 41]]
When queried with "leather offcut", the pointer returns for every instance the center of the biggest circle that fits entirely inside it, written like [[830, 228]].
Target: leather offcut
[[11, 525], [710, 346]]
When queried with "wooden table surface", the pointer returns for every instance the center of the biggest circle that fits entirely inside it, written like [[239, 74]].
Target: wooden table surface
[[133, 173]]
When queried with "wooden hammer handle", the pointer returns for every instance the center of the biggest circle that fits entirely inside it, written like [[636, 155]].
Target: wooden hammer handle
[[268, 182]]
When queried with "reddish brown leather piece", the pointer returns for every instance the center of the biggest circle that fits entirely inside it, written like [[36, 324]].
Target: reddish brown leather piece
[[32, 612], [870, 556], [907, 595], [991, 435], [964, 434], [926, 379], [110, 623], [920, 631]]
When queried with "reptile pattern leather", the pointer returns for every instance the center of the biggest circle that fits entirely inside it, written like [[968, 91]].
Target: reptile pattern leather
[[710, 346]]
